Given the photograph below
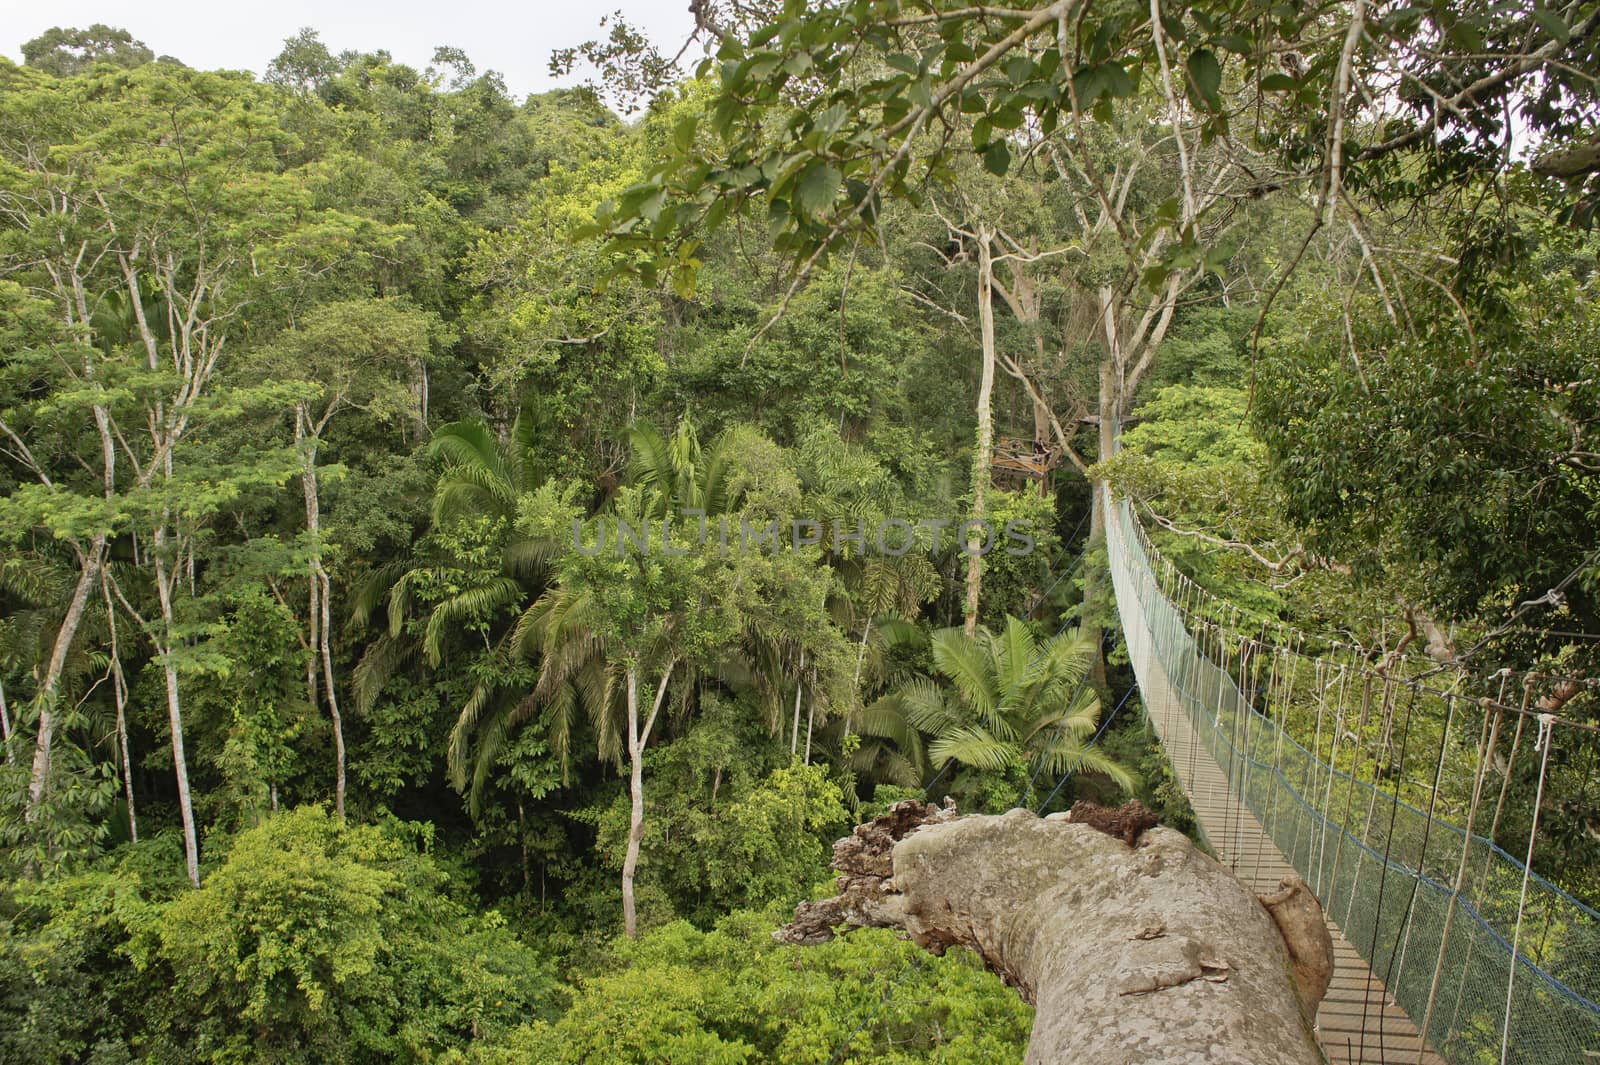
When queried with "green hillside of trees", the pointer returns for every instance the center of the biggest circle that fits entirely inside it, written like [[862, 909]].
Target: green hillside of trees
[[464, 559]]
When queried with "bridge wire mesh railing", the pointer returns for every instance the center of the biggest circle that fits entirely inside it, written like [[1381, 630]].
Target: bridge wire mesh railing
[[1319, 751]]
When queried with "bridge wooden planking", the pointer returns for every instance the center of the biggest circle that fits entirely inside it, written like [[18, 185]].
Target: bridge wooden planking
[[1357, 1023]]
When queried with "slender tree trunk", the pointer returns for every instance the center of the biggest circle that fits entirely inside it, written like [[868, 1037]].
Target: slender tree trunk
[[119, 692], [5, 726], [638, 739], [861, 659], [333, 697], [630, 861], [811, 718], [794, 731], [1098, 516], [321, 595], [89, 570], [313, 639], [984, 459], [180, 764], [419, 391]]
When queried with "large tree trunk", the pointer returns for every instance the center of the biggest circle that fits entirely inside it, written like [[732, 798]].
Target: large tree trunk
[[1132, 954], [983, 461], [89, 569]]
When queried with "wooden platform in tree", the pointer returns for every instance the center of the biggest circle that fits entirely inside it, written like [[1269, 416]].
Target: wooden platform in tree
[[1022, 459]]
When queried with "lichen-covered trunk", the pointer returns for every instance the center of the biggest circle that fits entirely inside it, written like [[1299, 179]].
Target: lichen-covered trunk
[[1131, 954], [983, 460]]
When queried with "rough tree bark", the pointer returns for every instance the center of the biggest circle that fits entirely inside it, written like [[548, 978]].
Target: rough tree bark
[[1131, 954]]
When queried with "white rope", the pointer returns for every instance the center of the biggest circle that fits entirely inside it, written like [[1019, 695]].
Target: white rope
[[1543, 745], [1325, 890], [1487, 737]]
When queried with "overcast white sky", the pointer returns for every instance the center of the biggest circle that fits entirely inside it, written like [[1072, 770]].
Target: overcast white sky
[[515, 38]]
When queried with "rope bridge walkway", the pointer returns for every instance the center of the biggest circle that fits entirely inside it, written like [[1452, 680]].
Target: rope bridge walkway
[[1301, 764]]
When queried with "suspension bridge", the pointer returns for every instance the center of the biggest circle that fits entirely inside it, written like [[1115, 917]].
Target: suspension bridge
[[1448, 949]]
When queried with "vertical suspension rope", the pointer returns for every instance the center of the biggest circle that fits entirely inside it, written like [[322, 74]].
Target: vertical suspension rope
[[1542, 745], [1392, 976], [1319, 681], [1350, 792], [1327, 796], [1488, 852], [1385, 745], [1486, 741], [1383, 873], [1278, 779], [1255, 723], [1231, 801]]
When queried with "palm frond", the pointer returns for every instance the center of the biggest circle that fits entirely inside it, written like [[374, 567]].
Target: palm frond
[[1075, 758], [651, 467], [479, 602], [1078, 717], [924, 705], [369, 594], [1014, 660], [975, 747], [382, 659], [969, 665]]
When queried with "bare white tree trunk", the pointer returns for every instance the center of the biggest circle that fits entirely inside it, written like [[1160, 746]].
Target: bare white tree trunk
[[638, 739], [630, 861], [333, 697], [794, 731], [169, 668]]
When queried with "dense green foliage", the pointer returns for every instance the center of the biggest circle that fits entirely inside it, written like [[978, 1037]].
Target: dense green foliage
[[463, 560]]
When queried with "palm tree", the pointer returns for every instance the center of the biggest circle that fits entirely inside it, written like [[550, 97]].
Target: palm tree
[[1009, 699], [483, 477], [681, 474]]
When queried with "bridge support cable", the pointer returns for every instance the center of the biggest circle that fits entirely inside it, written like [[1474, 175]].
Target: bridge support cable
[[1294, 762]]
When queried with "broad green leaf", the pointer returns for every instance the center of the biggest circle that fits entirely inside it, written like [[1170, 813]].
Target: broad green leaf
[[997, 158], [1206, 75], [817, 187]]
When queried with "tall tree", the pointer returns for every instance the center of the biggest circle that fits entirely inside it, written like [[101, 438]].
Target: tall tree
[[65, 52], [157, 217], [633, 628], [364, 355]]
